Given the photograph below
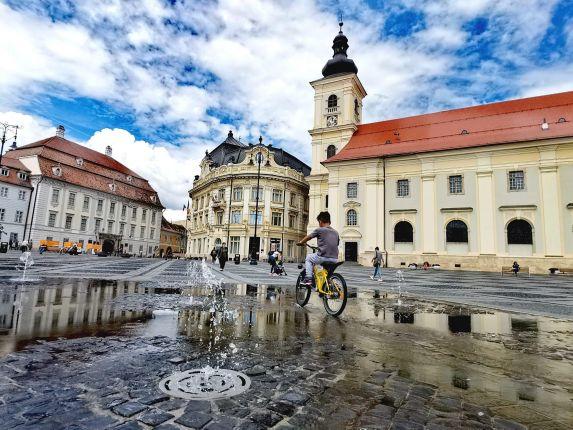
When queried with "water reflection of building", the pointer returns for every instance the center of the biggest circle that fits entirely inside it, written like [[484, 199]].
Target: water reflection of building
[[27, 312]]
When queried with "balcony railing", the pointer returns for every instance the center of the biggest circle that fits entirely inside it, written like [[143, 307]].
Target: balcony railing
[[333, 109]]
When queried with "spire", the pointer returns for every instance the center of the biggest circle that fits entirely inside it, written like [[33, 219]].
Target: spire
[[340, 63]]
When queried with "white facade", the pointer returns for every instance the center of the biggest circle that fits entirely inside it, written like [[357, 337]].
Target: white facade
[[65, 212], [14, 200]]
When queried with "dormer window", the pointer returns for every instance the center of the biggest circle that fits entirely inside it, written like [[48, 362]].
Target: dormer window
[[4, 172], [80, 162], [57, 171], [112, 186], [332, 101], [153, 198], [23, 176], [129, 178]]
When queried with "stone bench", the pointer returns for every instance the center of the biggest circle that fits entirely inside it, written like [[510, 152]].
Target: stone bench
[[509, 269]]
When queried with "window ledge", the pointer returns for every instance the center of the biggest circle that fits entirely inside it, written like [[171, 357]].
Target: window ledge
[[515, 207], [403, 211], [448, 210]]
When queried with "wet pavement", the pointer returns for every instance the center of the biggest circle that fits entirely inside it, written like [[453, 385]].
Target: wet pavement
[[89, 354]]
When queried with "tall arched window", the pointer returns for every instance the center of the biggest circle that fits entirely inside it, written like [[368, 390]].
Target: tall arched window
[[356, 107], [519, 232], [351, 217], [403, 232], [332, 101], [457, 231], [330, 151]]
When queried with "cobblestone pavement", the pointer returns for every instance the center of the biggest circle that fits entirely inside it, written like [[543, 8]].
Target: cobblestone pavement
[[89, 354], [536, 295]]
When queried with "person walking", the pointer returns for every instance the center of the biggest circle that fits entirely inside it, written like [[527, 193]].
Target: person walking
[[214, 254], [223, 255], [377, 261]]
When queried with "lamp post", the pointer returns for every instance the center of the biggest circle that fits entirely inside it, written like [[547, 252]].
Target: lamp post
[[5, 127], [255, 251]]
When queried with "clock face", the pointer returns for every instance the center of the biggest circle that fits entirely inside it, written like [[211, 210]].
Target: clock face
[[331, 120]]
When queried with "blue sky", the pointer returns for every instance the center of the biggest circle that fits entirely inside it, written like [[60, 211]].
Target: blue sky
[[164, 80]]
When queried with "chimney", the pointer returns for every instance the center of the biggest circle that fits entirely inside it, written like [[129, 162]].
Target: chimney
[[60, 131], [108, 151]]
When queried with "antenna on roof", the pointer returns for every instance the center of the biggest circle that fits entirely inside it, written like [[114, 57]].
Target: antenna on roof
[[60, 131], [340, 23]]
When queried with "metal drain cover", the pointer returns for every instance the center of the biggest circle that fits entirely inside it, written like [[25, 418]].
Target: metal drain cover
[[205, 384]]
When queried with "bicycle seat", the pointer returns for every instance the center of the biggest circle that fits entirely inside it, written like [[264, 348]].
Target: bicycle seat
[[331, 267]]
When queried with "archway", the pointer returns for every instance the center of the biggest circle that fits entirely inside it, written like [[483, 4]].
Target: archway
[[108, 246], [457, 237], [519, 236], [403, 236]]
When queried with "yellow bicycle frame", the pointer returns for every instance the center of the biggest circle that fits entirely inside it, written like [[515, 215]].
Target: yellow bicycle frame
[[320, 277]]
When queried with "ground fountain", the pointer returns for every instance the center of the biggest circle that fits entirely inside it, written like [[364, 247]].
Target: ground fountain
[[25, 262]]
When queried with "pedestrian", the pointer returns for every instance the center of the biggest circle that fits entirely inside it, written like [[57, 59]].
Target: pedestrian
[[515, 268], [214, 255], [272, 260], [223, 255], [377, 261], [11, 244]]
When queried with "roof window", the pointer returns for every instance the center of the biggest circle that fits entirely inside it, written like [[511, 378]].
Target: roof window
[[4, 172], [544, 125], [80, 161], [561, 120], [112, 186], [464, 131], [129, 178], [57, 171], [153, 198]]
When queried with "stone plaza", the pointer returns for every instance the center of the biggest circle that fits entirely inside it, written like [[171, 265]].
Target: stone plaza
[[87, 344]]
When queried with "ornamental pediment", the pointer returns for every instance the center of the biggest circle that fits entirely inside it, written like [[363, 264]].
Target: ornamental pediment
[[352, 204]]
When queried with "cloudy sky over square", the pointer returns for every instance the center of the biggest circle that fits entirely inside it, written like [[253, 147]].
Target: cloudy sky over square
[[161, 81]]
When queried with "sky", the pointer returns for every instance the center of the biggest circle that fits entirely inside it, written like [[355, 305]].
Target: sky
[[161, 81]]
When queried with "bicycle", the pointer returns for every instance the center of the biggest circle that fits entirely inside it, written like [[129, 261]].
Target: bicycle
[[329, 285]]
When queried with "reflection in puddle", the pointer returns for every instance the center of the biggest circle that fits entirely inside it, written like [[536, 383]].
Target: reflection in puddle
[[485, 355]]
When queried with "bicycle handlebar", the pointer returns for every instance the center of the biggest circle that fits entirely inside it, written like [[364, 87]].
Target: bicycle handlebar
[[314, 248]]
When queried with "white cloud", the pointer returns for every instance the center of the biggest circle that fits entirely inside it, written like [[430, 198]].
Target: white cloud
[[31, 129], [168, 169]]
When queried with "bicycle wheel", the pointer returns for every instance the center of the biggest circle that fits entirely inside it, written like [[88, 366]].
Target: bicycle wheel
[[302, 291], [335, 299]]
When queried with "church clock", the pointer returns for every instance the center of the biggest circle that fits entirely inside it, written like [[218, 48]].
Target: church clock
[[331, 120]]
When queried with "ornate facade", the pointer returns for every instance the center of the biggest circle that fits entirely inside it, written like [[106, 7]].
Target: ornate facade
[[224, 200], [472, 188]]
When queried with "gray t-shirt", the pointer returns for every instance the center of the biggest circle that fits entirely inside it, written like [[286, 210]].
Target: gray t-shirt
[[327, 240]]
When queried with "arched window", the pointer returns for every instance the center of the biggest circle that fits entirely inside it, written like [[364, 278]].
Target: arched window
[[332, 101], [457, 231], [519, 232], [403, 232], [330, 151], [356, 106], [351, 217]]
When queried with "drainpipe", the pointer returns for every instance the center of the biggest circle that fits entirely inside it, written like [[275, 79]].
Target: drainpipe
[[33, 208], [284, 221], [385, 211]]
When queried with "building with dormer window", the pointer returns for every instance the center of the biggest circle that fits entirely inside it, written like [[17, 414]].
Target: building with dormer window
[[15, 191], [83, 196], [224, 201]]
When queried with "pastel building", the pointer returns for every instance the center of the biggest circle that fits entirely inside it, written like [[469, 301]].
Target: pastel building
[[15, 190], [471, 188], [83, 196]]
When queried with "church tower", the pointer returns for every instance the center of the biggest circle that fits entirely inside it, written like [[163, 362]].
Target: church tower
[[337, 112]]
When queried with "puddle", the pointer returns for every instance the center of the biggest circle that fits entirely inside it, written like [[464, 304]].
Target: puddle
[[487, 356]]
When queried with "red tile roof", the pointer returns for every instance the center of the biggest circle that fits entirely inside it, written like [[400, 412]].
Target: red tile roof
[[491, 124], [15, 166], [97, 171]]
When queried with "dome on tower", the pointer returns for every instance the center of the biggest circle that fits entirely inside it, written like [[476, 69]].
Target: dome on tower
[[339, 63]]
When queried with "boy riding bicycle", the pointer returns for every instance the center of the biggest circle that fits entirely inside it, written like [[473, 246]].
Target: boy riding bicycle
[[327, 240]]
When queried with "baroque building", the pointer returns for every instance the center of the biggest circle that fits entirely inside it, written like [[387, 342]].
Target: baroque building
[[471, 188], [224, 201], [173, 239], [85, 197]]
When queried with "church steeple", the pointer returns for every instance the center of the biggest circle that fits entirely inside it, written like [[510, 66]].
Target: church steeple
[[339, 63]]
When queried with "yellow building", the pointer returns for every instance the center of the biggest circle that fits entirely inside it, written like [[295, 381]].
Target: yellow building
[[472, 188], [224, 196], [172, 239]]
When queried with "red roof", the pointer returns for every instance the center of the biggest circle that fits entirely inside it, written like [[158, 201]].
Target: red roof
[[491, 124], [97, 171], [15, 166]]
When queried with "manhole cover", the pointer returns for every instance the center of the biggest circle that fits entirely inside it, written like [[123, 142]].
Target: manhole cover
[[205, 384]]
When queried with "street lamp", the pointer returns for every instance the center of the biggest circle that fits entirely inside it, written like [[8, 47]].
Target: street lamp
[[5, 127], [255, 251]]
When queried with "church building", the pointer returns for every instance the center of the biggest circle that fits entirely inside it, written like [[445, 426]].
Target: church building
[[472, 188]]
